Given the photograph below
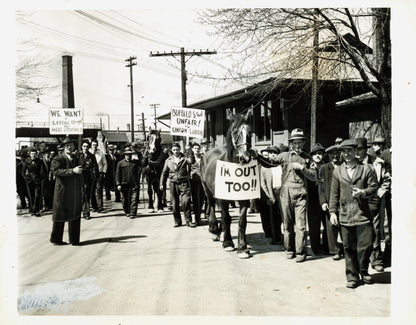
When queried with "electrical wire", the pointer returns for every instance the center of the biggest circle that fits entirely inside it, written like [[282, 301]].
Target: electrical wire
[[108, 24]]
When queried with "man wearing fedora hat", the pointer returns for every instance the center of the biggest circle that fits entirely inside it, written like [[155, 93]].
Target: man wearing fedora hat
[[324, 188], [67, 200], [293, 195], [384, 184], [127, 181], [353, 183], [316, 216]]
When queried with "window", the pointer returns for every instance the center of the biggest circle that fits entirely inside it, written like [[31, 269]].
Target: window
[[262, 118]]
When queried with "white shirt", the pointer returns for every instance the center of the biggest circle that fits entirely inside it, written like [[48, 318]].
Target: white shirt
[[277, 176]]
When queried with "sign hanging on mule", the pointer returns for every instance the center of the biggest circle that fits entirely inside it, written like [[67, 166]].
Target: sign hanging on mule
[[237, 182], [187, 122], [66, 121]]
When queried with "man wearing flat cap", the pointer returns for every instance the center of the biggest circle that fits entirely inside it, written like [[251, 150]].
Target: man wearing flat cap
[[324, 188], [353, 183], [67, 200], [293, 195], [34, 172], [384, 184], [176, 170], [127, 181], [110, 176], [89, 167], [316, 216]]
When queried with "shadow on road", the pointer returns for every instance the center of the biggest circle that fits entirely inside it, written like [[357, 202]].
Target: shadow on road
[[261, 245], [105, 215], [121, 239], [384, 277]]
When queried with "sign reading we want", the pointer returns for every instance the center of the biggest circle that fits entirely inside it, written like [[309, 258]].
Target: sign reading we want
[[188, 122], [66, 121], [237, 182]]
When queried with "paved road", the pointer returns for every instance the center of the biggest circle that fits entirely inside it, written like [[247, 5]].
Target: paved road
[[145, 266]]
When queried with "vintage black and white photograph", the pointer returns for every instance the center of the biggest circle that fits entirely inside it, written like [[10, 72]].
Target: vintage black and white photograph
[[206, 161]]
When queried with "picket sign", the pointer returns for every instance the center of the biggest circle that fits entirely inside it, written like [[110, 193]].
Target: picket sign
[[66, 121], [237, 182], [188, 122]]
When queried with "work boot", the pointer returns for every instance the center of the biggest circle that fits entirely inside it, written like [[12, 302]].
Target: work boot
[[300, 258]]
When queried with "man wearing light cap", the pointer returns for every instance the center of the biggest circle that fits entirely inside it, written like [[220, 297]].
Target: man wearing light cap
[[324, 188], [352, 184], [293, 195], [110, 176]]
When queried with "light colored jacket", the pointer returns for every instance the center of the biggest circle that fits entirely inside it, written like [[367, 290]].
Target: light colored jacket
[[266, 177], [101, 161]]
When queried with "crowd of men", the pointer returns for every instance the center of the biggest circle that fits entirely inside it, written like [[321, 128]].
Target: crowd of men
[[340, 195], [343, 190]]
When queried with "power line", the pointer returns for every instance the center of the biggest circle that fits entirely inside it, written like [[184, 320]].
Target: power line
[[73, 36], [106, 23], [117, 34], [147, 27], [182, 55]]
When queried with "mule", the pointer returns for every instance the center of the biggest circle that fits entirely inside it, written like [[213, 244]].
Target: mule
[[237, 150], [154, 161]]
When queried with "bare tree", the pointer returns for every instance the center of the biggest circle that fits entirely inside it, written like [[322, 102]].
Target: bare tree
[[32, 73], [279, 42]]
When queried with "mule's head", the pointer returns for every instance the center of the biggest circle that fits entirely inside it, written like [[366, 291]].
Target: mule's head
[[240, 135], [154, 140]]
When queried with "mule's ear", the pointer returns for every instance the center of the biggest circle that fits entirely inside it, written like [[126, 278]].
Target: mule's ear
[[249, 113], [160, 130], [150, 128], [229, 114]]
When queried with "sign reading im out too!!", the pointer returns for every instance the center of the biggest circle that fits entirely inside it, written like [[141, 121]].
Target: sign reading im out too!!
[[237, 182]]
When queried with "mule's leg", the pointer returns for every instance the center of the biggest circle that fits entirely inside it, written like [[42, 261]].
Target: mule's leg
[[243, 251], [149, 193], [228, 243], [212, 220], [156, 189]]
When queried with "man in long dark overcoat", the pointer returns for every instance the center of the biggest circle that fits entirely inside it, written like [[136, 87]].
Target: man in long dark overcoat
[[67, 203]]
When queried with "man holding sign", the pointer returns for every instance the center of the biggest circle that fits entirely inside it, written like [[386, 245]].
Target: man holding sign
[[176, 169]]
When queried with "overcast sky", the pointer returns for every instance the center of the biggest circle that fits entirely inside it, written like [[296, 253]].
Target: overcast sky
[[101, 40]]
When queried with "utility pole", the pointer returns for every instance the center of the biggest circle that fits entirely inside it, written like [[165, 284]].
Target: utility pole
[[154, 106], [182, 54], [68, 100], [144, 127], [130, 65]]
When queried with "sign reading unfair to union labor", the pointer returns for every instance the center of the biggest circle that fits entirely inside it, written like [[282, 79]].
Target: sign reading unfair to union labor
[[66, 121], [237, 182], [188, 122]]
